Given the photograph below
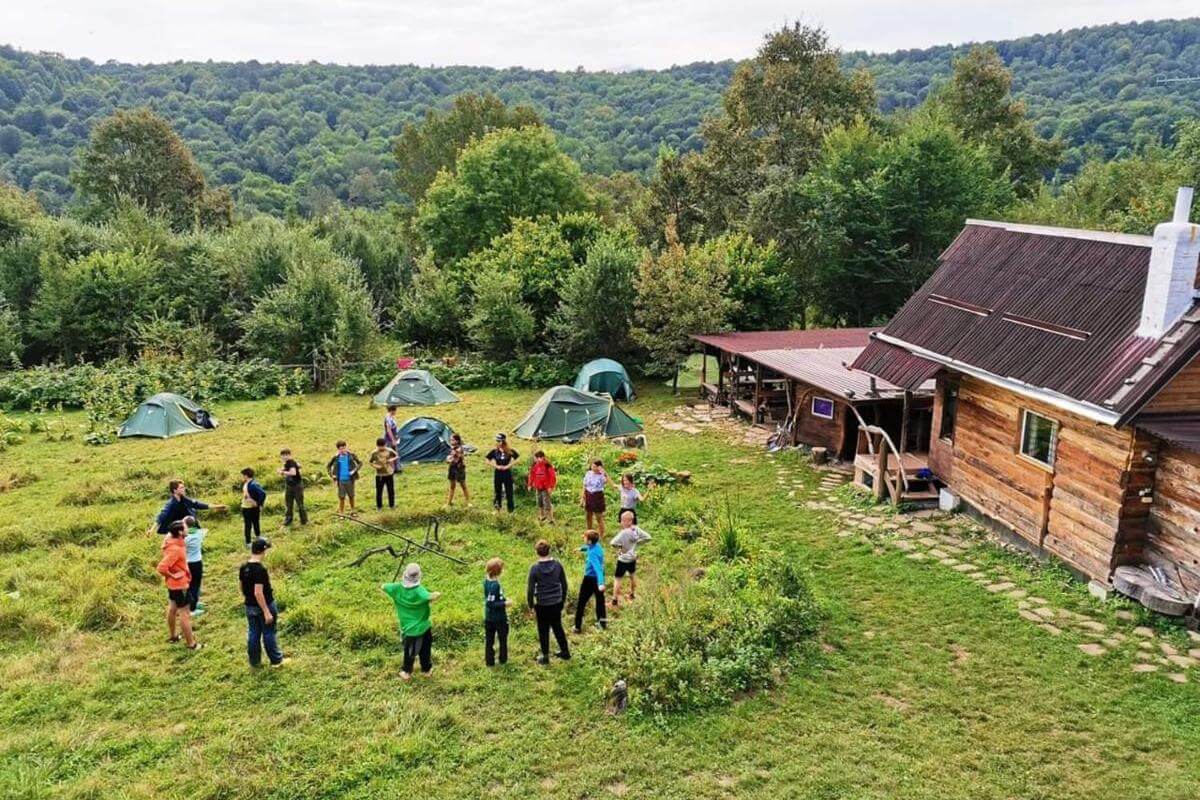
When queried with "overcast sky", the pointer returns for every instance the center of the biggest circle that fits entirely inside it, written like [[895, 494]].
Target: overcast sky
[[551, 34]]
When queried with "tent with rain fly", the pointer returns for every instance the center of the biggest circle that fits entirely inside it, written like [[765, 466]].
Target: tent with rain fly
[[605, 376], [423, 439], [568, 415], [165, 415], [414, 387]]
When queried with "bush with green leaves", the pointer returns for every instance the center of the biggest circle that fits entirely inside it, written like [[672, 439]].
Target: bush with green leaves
[[530, 372], [704, 642], [500, 323]]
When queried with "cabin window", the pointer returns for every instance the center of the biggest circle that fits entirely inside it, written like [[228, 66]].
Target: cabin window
[[949, 409], [822, 407], [1039, 435]]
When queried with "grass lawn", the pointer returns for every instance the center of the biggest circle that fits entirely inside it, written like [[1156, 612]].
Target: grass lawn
[[925, 684]]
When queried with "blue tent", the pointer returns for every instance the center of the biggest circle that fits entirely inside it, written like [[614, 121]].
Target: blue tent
[[605, 376]]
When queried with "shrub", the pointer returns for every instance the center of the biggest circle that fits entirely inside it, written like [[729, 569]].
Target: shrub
[[500, 323], [703, 643], [530, 372]]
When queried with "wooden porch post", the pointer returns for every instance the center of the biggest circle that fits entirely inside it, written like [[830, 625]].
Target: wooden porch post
[[703, 367], [904, 422], [757, 391]]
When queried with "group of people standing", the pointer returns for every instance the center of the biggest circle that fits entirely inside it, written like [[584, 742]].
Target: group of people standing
[[182, 563]]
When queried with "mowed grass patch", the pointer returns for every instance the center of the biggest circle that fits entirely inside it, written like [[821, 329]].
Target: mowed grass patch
[[925, 685]]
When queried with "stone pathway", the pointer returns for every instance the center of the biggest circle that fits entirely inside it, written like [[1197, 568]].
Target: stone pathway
[[699, 417], [955, 542]]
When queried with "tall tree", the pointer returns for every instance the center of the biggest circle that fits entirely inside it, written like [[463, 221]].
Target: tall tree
[[137, 156], [979, 99], [506, 175], [595, 313], [424, 149]]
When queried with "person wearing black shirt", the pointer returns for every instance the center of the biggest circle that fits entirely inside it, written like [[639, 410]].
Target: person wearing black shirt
[[261, 613], [546, 592], [293, 488], [501, 458]]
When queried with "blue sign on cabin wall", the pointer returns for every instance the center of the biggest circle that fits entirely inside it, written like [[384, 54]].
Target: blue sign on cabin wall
[[822, 407]]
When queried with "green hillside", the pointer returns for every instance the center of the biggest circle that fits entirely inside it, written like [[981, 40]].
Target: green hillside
[[294, 136]]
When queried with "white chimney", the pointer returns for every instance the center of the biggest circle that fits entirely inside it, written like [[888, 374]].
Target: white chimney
[[1171, 282]]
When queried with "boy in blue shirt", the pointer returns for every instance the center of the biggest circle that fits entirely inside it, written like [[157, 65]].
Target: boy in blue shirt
[[343, 468], [593, 580]]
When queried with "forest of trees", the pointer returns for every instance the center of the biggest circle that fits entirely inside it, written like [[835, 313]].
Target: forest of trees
[[800, 204], [294, 139]]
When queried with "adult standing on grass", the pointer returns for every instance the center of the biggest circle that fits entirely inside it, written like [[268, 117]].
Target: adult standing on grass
[[626, 541], [343, 468], [253, 498], [502, 457], [592, 495], [174, 569], [293, 488], [391, 429], [457, 472], [383, 459], [193, 540], [261, 613], [545, 593], [179, 505], [412, 601], [593, 581]]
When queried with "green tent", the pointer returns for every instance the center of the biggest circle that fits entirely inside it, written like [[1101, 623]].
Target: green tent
[[568, 415], [605, 376], [423, 439], [414, 387], [165, 415]]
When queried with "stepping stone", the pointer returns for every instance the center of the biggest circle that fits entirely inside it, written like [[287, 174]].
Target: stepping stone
[[928, 541], [1113, 643], [903, 544], [1145, 668], [1092, 649], [1178, 677], [1182, 661], [1017, 594], [1024, 605], [1142, 655], [1044, 611], [1029, 615], [949, 562], [999, 587], [1145, 645], [1050, 629], [1167, 649], [923, 527], [1128, 616], [1092, 625], [916, 556], [1142, 630], [1041, 601], [1195, 637], [966, 568], [872, 520], [1194, 653], [935, 553]]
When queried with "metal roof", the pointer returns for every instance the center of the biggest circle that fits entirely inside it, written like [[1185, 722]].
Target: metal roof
[[896, 365], [818, 357], [751, 341], [1044, 310], [1182, 430]]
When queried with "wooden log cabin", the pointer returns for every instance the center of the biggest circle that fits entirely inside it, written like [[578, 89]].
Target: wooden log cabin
[[1067, 401], [802, 379]]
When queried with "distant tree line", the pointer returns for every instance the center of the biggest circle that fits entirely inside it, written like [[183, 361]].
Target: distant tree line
[[295, 139]]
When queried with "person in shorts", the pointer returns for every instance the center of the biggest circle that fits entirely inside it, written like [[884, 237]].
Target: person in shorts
[[174, 569], [592, 498], [457, 472], [542, 479], [343, 468], [626, 541]]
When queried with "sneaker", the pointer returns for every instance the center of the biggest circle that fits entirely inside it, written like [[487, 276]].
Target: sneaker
[[199, 612], [196, 646], [542, 660], [406, 676], [280, 662], [200, 606], [563, 656]]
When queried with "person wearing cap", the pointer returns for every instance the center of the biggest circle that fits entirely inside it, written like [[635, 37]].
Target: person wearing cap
[[261, 614], [412, 601], [501, 458]]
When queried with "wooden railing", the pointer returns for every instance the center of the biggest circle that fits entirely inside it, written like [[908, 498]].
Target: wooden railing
[[881, 446]]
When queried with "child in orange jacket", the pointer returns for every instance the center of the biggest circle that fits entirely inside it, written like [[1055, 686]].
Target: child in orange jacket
[[543, 478], [174, 568]]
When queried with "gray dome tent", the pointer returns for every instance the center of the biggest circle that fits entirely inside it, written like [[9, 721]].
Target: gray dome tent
[[423, 439], [414, 387], [569, 415], [605, 376], [165, 415]]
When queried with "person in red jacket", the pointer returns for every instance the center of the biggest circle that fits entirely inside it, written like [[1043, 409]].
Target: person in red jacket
[[174, 568], [543, 478]]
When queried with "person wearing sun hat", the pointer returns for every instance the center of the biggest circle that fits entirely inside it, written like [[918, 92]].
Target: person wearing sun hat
[[412, 601], [259, 599]]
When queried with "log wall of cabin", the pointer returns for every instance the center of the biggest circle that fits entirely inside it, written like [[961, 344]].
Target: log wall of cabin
[[941, 450], [1173, 523], [817, 431], [1075, 509], [1181, 394]]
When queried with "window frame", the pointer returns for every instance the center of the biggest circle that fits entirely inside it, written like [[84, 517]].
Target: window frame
[[812, 407], [949, 386], [1022, 427]]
